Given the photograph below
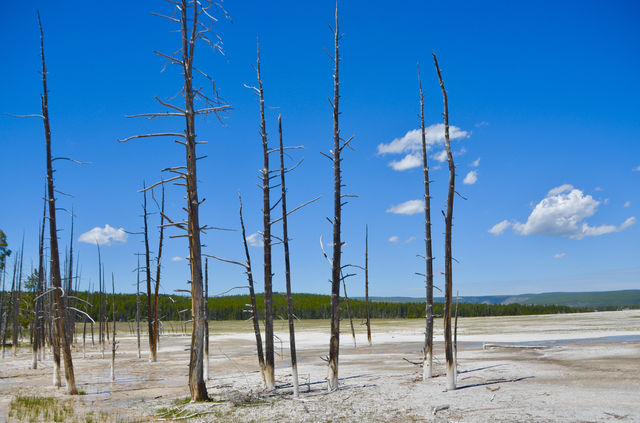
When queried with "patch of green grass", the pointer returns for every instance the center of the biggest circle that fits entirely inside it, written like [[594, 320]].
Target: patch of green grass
[[33, 408]]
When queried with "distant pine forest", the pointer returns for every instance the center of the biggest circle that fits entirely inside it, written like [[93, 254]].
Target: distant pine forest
[[305, 306]]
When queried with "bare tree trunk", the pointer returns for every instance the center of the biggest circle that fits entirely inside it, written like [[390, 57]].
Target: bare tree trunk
[[197, 384], [4, 315], [266, 216], [16, 302], [113, 337], [287, 264], [455, 334], [150, 318], [366, 281], [252, 295], [157, 288], [427, 365], [448, 268], [346, 297], [334, 343], [69, 290], [53, 234], [206, 320], [138, 307]]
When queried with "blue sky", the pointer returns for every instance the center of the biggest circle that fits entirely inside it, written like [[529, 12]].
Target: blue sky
[[544, 96]]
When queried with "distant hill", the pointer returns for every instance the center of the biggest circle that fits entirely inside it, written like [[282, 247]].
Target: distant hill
[[630, 298]]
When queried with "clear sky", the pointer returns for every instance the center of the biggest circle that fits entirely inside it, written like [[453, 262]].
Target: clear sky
[[543, 96]]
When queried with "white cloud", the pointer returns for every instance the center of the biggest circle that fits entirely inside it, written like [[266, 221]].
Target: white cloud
[[475, 163], [176, 258], [410, 239], [499, 228], [394, 239], [627, 204], [481, 124], [471, 178], [441, 156], [560, 255], [103, 236], [412, 140], [636, 169], [255, 240], [408, 207], [563, 212], [407, 162]]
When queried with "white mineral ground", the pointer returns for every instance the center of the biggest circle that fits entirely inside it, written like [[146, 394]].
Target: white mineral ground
[[576, 374]]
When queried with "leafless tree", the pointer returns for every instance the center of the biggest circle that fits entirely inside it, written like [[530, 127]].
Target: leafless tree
[[60, 327], [336, 268], [455, 334], [138, 306], [427, 365], [448, 268], [287, 264], [158, 272], [38, 301], [206, 319], [366, 281], [113, 337], [17, 295], [147, 262], [187, 15]]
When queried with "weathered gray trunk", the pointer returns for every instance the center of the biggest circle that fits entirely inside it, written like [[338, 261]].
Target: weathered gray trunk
[[206, 319], [157, 287], [334, 343], [287, 265], [448, 268], [427, 365], [366, 281], [113, 337], [252, 296], [138, 307], [266, 219], [147, 262], [60, 327]]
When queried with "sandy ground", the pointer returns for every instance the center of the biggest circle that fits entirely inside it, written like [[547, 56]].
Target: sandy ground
[[571, 367]]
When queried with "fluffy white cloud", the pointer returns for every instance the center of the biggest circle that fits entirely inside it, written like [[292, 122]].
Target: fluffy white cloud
[[499, 228], [562, 213], [394, 239], [408, 207], [409, 161], [441, 156], [176, 258], [412, 140], [471, 178], [103, 236], [627, 204], [255, 240], [560, 255], [475, 163]]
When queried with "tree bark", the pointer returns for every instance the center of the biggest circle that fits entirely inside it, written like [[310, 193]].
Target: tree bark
[[252, 295], [206, 319], [138, 307], [448, 268], [287, 265], [53, 234], [197, 386], [366, 281], [427, 365], [147, 262], [334, 343], [113, 337], [157, 287]]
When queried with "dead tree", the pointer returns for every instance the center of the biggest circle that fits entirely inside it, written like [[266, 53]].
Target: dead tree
[[147, 260], [336, 268], [113, 337], [138, 306], [448, 268], [60, 324], [206, 319], [455, 334], [266, 234], [158, 271], [186, 14], [287, 264], [16, 300], [427, 364], [37, 306], [366, 281]]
